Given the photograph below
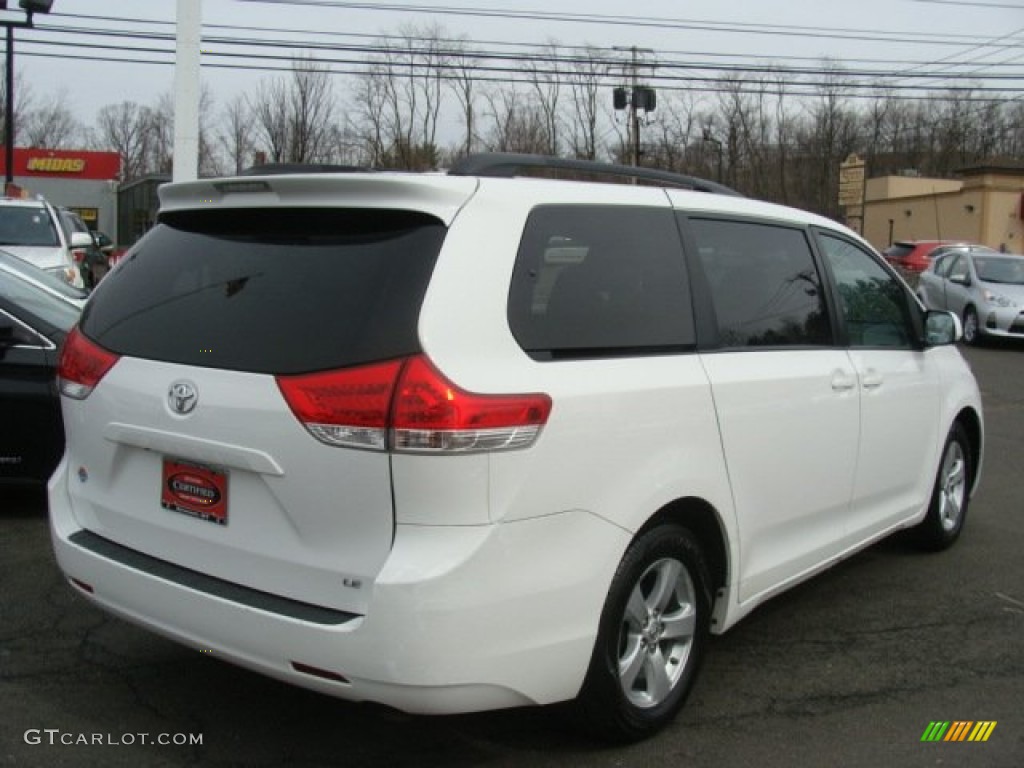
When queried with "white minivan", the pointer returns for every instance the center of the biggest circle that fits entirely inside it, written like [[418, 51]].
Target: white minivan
[[463, 441]]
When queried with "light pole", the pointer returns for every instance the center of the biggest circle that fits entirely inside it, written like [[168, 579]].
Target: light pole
[[29, 7]]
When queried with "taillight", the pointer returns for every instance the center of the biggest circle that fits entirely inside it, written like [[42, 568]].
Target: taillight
[[347, 407], [81, 366], [408, 405], [431, 413]]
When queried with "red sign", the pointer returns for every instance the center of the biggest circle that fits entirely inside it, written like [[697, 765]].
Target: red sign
[[195, 490], [64, 163]]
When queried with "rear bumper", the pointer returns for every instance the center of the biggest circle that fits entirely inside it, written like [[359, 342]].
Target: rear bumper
[[460, 618]]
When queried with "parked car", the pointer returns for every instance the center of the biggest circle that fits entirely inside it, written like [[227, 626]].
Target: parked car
[[459, 442], [33, 230], [914, 255], [45, 281], [984, 287], [34, 319], [90, 257]]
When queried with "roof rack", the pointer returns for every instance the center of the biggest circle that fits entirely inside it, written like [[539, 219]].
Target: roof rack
[[508, 165]]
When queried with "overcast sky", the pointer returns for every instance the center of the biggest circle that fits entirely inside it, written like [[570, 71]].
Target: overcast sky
[[66, 53]]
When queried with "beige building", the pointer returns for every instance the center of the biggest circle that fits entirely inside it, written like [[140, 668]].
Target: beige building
[[985, 206]]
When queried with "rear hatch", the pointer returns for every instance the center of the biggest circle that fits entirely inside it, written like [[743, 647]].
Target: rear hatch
[[187, 450]]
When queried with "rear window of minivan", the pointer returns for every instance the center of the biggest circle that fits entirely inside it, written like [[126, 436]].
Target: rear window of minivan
[[277, 291]]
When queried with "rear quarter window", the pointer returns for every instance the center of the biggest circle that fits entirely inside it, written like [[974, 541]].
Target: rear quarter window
[[600, 281], [276, 291]]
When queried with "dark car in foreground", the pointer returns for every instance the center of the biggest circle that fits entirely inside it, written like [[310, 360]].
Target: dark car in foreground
[[34, 319]]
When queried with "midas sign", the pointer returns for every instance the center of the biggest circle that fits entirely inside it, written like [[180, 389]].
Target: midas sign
[[56, 164]]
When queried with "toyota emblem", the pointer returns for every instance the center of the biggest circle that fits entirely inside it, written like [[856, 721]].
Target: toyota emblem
[[182, 397]]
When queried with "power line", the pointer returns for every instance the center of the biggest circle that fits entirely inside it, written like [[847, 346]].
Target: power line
[[792, 30], [602, 56], [383, 36]]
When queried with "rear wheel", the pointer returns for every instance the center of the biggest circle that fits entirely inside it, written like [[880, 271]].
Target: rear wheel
[[950, 496], [651, 639]]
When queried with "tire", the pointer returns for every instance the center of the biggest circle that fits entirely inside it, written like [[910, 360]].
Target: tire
[[651, 639], [947, 511], [972, 331]]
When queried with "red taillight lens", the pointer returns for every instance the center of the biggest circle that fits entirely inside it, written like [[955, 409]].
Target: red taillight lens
[[347, 407], [81, 366], [414, 404], [431, 413]]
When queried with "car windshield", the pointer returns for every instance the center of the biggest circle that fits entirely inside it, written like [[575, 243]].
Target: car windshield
[[44, 305], [24, 225], [1000, 270]]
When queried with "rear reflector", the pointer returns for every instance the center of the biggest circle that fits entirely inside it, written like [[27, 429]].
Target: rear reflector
[[408, 405], [81, 366]]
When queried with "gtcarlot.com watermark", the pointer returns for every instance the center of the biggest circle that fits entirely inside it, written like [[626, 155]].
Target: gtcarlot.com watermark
[[55, 736]]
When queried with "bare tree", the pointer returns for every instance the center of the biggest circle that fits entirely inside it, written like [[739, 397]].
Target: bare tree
[[674, 132], [23, 100], [270, 111], [461, 80], [400, 99], [517, 125], [51, 125], [585, 74], [310, 112], [545, 76], [125, 128], [236, 134]]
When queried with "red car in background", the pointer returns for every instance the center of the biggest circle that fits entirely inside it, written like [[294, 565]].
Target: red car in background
[[914, 255]]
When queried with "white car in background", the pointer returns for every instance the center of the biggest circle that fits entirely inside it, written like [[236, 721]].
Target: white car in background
[[33, 231]]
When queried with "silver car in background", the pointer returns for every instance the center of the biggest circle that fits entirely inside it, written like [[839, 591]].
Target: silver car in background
[[984, 287]]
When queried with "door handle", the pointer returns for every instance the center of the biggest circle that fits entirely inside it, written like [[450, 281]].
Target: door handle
[[871, 379], [843, 381]]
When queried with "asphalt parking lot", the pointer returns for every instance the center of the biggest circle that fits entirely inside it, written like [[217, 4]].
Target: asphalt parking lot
[[846, 670]]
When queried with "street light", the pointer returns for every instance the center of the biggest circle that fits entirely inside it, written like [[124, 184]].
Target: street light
[[29, 7]]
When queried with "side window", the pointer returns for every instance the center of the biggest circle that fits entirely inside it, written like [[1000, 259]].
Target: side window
[[600, 281], [941, 264], [874, 304], [18, 335], [958, 269], [764, 284]]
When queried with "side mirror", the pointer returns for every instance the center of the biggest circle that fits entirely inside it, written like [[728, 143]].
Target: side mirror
[[964, 279], [82, 240], [942, 328]]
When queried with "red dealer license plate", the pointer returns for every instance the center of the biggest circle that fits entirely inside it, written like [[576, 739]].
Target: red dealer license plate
[[195, 490]]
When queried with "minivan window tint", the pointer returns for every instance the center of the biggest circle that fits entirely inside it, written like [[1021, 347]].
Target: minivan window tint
[[876, 309], [275, 291], [600, 281], [764, 284]]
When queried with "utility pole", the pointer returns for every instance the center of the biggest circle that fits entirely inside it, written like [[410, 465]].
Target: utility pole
[[639, 97], [186, 91]]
